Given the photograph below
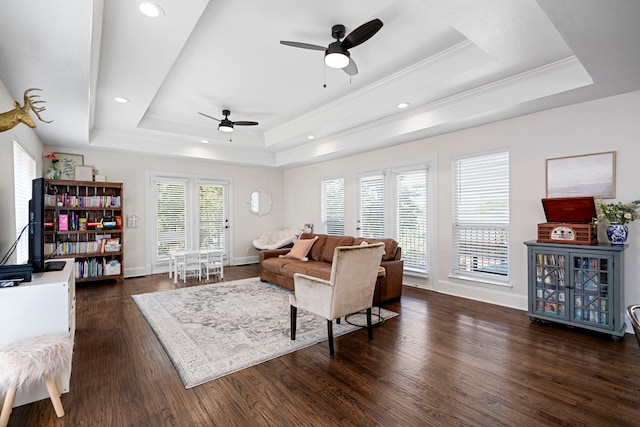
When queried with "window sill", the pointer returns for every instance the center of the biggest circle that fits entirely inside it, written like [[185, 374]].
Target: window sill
[[504, 283]]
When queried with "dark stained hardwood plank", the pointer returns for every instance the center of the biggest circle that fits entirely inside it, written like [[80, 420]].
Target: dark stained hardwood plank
[[445, 361]]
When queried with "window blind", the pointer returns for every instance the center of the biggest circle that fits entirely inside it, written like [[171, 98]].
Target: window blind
[[372, 207], [171, 232], [333, 206], [24, 172], [481, 215], [211, 216], [411, 210]]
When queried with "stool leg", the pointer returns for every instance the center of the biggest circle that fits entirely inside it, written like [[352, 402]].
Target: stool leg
[[9, 397], [54, 395]]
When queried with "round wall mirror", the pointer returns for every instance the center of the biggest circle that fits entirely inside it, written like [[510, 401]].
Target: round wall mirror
[[260, 202]]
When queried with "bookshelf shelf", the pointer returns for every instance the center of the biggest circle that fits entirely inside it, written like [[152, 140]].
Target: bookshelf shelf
[[74, 211], [577, 285]]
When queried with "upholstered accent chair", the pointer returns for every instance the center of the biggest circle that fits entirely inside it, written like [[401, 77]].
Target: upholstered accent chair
[[350, 288], [633, 311]]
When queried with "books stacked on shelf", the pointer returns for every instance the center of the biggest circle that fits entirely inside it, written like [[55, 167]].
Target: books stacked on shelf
[[97, 267], [99, 246], [71, 201]]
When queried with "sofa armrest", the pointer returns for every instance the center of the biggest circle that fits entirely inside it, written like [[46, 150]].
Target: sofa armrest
[[273, 253], [391, 284]]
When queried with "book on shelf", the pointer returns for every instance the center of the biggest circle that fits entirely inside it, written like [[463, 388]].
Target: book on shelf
[[63, 222]]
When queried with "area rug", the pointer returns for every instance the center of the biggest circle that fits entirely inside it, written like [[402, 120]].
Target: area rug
[[213, 330]]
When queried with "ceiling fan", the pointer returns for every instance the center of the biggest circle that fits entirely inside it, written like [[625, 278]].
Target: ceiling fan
[[337, 55], [227, 125]]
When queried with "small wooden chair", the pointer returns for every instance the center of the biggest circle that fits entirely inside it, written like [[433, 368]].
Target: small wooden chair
[[29, 361], [213, 263]]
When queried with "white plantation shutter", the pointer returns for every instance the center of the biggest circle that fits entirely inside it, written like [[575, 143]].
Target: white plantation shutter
[[481, 215], [24, 172], [411, 211], [171, 205], [333, 206], [211, 216], [372, 203]]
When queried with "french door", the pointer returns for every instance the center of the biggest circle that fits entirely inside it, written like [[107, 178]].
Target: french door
[[189, 213]]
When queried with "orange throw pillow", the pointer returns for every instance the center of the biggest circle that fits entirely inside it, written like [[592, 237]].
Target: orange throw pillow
[[300, 249]]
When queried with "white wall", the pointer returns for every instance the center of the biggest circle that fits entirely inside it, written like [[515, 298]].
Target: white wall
[[131, 168], [608, 124], [27, 138]]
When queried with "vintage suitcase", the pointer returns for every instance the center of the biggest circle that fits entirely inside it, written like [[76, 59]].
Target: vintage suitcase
[[569, 220]]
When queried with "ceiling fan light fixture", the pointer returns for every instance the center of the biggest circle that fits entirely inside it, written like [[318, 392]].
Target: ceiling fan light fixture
[[225, 127], [336, 56]]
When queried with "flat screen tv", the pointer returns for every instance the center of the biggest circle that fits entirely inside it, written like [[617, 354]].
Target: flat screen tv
[[36, 230]]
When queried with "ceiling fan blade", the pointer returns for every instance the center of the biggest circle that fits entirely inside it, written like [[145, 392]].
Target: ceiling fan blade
[[303, 45], [245, 123], [361, 34], [351, 68], [206, 115]]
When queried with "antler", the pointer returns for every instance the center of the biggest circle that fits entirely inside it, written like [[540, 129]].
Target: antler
[[30, 103]]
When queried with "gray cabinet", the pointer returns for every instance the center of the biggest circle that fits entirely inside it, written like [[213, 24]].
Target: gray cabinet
[[577, 285]]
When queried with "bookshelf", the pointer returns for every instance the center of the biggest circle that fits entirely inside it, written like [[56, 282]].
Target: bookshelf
[[577, 285], [83, 220]]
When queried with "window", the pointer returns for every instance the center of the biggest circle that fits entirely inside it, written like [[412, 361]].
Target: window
[[371, 222], [394, 203], [411, 223], [333, 206], [24, 172], [481, 216]]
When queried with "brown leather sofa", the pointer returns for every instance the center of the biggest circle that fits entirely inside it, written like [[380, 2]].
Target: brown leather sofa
[[280, 271]]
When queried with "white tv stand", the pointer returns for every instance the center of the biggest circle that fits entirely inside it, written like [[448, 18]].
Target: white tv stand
[[44, 306]]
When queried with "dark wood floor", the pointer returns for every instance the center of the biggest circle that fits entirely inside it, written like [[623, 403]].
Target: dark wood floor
[[444, 361]]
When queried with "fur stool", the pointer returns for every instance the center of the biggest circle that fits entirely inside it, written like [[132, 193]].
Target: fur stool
[[29, 361]]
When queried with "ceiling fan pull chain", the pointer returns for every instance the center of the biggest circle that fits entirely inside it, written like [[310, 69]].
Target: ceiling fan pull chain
[[324, 75]]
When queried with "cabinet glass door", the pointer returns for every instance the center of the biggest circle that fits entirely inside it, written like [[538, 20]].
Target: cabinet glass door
[[550, 296], [591, 290]]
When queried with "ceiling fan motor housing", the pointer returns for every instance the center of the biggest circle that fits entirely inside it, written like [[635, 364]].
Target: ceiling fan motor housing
[[338, 31]]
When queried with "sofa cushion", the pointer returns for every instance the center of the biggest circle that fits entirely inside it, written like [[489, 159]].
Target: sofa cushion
[[316, 249], [274, 265], [390, 246], [331, 244], [288, 270]]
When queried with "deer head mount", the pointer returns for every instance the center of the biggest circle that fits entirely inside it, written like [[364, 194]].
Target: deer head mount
[[20, 114]]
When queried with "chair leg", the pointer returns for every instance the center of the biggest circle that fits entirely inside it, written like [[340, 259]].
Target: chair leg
[[369, 325], [54, 395], [330, 333], [338, 320], [294, 313], [9, 397]]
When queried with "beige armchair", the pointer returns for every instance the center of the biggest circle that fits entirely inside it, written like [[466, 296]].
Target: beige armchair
[[633, 313], [350, 288]]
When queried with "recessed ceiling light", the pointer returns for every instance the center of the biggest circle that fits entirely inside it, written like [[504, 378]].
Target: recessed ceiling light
[[204, 141], [310, 137], [121, 99], [403, 105], [151, 10]]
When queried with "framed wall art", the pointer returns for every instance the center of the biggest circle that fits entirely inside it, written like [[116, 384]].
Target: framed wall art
[[83, 173], [65, 163], [585, 175]]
